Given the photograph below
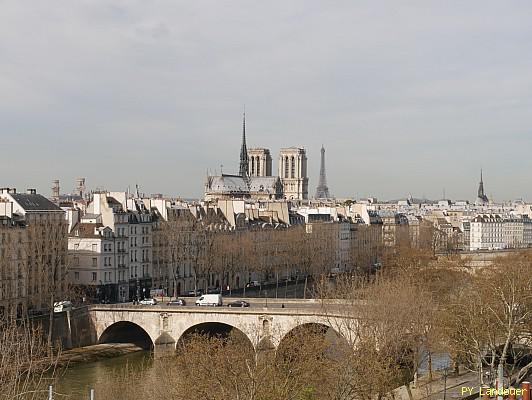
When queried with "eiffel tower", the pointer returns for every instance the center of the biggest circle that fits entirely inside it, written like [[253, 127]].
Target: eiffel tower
[[322, 191]]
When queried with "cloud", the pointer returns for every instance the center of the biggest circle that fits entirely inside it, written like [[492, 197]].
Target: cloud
[[407, 97]]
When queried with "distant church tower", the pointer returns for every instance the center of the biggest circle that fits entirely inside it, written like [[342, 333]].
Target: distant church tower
[[482, 199], [244, 162], [293, 173], [260, 162], [322, 191]]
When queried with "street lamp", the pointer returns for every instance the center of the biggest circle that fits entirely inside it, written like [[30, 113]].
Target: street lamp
[[445, 373], [137, 288]]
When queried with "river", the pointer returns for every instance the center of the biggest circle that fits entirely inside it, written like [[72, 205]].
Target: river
[[78, 379]]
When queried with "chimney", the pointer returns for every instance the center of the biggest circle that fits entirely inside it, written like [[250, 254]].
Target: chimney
[[12, 190], [31, 191]]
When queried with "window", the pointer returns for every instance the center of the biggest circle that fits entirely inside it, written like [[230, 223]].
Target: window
[[293, 168], [76, 276], [94, 247], [94, 262], [286, 167], [94, 276]]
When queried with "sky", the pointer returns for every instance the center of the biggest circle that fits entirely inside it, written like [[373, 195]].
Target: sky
[[409, 97]]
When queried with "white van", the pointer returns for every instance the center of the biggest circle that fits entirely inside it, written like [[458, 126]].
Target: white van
[[214, 300], [61, 306]]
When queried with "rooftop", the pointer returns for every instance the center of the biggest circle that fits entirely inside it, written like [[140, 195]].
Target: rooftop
[[34, 202]]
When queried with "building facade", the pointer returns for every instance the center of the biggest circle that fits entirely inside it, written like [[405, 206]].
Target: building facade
[[14, 267], [112, 247], [45, 246]]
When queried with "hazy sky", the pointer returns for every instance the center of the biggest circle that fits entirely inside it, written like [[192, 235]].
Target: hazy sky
[[406, 96]]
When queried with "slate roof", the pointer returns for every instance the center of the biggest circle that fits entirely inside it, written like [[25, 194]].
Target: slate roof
[[85, 230], [228, 183], [34, 202], [263, 184], [113, 201], [487, 218]]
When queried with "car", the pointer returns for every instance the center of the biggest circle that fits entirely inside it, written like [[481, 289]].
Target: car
[[213, 290], [177, 302], [253, 284], [238, 303], [61, 306], [195, 293], [148, 302]]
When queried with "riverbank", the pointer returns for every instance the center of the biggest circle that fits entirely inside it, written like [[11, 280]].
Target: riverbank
[[95, 353], [439, 387]]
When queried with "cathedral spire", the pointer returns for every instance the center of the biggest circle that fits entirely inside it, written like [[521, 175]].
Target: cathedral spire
[[481, 196], [244, 162]]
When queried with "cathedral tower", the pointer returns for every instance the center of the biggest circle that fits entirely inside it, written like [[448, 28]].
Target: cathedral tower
[[260, 162], [293, 173]]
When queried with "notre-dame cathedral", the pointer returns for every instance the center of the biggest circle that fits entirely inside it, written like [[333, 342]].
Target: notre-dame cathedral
[[255, 180]]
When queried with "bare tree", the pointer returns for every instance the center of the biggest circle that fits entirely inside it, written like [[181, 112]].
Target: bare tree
[[26, 368], [488, 321], [48, 264]]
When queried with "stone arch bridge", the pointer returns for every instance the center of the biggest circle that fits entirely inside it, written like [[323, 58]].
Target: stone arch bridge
[[161, 327]]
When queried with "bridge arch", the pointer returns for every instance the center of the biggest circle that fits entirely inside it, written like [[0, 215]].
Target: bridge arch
[[126, 332], [214, 329], [311, 337]]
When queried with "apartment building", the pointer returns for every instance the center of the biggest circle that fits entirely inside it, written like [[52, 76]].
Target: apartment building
[[14, 265], [111, 247], [43, 246], [93, 257]]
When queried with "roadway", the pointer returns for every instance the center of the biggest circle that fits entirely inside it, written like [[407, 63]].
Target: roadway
[[254, 303], [296, 307]]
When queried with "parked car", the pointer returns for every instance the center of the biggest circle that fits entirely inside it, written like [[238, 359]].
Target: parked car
[[253, 284], [61, 306], [238, 303], [195, 293], [177, 302], [148, 302], [214, 300], [213, 290]]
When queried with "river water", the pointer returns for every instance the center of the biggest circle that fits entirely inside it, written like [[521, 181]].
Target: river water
[[78, 379]]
